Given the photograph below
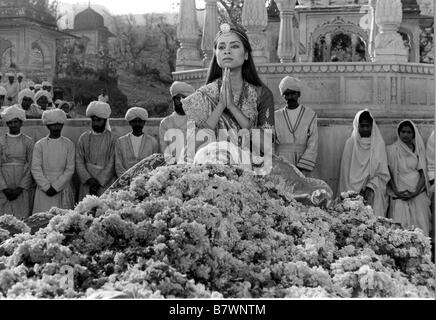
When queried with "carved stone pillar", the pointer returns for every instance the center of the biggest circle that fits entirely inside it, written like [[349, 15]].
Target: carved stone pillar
[[373, 30], [389, 45], [328, 47], [287, 47], [210, 29], [188, 55], [354, 40], [255, 19]]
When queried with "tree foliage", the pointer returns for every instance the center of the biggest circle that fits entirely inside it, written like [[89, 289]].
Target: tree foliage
[[146, 49]]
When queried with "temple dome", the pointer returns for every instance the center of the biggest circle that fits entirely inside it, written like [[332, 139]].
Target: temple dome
[[88, 19]]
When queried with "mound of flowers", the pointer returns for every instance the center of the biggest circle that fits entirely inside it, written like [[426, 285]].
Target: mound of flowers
[[215, 231]]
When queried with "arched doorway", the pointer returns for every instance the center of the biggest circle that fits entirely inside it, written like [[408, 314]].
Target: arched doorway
[[8, 58], [36, 58], [426, 44], [339, 47]]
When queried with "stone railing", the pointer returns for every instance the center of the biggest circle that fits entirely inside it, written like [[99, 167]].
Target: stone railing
[[341, 89], [332, 136]]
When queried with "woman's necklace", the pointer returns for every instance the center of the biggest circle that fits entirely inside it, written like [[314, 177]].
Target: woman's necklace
[[238, 95]]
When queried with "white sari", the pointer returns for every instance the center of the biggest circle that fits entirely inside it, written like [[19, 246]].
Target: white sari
[[405, 165], [364, 164]]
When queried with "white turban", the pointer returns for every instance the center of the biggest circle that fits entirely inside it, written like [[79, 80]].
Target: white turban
[[63, 102], [25, 93], [99, 109], [289, 83], [136, 112], [10, 74], [38, 86], [46, 84], [20, 74], [179, 87], [3, 91], [13, 112], [31, 83], [41, 93], [53, 116]]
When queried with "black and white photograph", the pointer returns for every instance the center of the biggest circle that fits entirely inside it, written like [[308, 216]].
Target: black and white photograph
[[217, 155]]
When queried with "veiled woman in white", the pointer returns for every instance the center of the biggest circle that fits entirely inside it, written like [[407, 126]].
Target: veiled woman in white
[[364, 166], [409, 187]]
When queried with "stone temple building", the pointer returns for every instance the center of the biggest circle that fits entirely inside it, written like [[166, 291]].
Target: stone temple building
[[28, 39], [93, 35], [349, 55]]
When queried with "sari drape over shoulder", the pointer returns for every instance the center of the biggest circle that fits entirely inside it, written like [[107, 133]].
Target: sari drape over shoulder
[[364, 164], [405, 165], [255, 103]]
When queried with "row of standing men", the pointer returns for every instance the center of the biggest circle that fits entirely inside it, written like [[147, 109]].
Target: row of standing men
[[34, 177]]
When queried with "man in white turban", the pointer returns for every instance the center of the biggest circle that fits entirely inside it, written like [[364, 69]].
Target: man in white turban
[[38, 87], [172, 129], [26, 102], [11, 87], [43, 100], [136, 145], [181, 88], [53, 165], [296, 128], [95, 152], [47, 86], [16, 151], [31, 85]]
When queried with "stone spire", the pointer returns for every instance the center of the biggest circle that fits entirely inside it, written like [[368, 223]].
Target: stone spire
[[372, 29], [389, 45], [188, 55], [287, 47], [210, 29], [255, 19]]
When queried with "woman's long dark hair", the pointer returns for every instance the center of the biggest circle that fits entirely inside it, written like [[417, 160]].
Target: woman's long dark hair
[[249, 72]]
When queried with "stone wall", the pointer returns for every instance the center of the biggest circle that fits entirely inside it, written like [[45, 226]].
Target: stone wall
[[332, 136], [339, 90]]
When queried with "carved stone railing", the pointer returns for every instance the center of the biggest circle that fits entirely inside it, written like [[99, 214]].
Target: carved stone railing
[[339, 90]]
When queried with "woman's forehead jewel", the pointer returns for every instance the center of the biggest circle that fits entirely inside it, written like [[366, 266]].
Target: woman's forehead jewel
[[228, 37]]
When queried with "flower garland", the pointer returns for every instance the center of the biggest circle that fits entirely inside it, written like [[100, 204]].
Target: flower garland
[[214, 231]]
